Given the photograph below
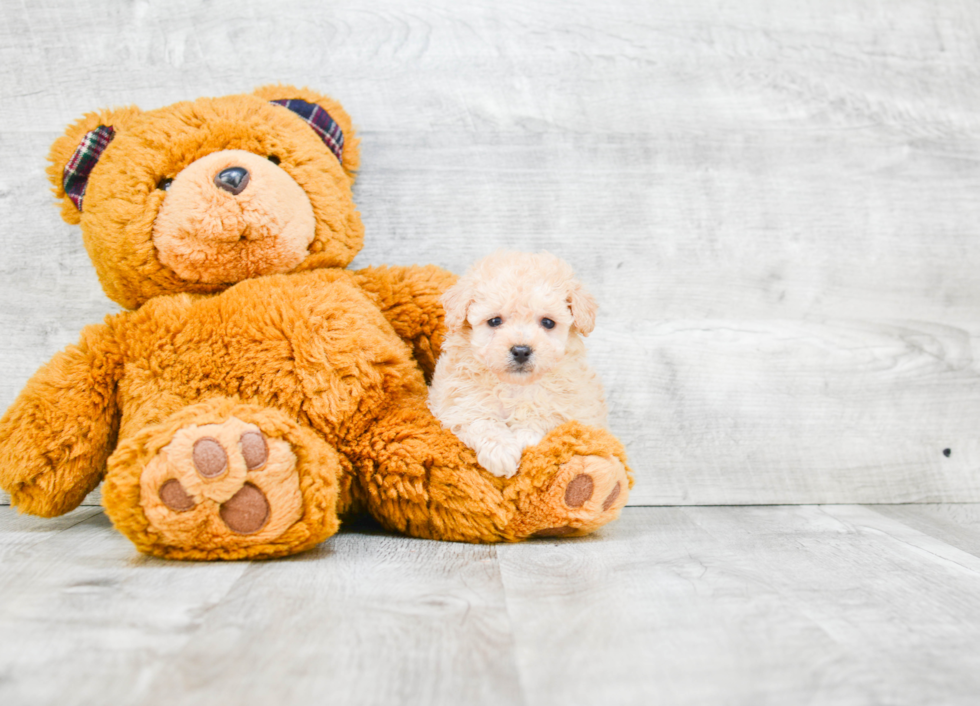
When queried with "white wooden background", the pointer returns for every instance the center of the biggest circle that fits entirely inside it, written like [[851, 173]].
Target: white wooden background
[[776, 203]]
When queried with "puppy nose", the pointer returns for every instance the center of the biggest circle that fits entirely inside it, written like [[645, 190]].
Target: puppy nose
[[232, 179], [521, 353]]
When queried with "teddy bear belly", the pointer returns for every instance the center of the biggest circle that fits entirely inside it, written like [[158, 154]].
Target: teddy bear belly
[[311, 345]]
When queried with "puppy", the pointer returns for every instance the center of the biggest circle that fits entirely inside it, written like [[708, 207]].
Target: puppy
[[513, 363]]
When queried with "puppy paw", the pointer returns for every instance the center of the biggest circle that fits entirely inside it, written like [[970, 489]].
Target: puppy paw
[[500, 459], [528, 437]]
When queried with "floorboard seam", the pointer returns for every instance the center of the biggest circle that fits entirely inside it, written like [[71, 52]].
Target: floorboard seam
[[521, 682]]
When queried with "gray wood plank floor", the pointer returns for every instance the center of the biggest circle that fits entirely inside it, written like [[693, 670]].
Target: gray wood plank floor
[[712, 605]]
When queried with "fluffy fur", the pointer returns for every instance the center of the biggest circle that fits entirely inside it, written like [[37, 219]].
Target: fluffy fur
[[513, 365], [256, 391]]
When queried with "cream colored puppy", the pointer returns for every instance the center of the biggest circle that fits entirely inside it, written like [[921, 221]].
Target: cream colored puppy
[[513, 364]]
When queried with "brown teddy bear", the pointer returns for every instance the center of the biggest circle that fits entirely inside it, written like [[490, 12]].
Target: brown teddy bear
[[255, 390]]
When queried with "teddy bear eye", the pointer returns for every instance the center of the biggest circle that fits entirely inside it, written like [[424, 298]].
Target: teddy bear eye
[[274, 159], [494, 322], [165, 183], [548, 323]]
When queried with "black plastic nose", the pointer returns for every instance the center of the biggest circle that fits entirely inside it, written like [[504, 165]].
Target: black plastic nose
[[232, 179], [521, 353]]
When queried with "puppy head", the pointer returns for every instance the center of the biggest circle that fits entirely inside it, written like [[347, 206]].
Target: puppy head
[[517, 311]]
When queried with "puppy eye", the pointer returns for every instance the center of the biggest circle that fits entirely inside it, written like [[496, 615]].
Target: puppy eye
[[274, 159], [548, 323], [164, 183], [494, 322]]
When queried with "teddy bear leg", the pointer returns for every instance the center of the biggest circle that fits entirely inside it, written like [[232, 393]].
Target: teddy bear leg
[[223, 479], [423, 481], [571, 484]]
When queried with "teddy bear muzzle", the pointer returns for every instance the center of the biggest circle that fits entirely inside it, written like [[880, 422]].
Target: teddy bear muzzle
[[233, 215]]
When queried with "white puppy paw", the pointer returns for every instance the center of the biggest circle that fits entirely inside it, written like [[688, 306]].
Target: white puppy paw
[[528, 437], [501, 459]]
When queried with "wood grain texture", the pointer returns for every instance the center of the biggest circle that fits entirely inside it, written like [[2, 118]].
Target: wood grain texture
[[773, 605], [957, 525], [834, 605], [366, 619], [775, 203], [84, 618]]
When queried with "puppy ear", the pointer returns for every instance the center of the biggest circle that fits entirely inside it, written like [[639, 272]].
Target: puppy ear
[[456, 301], [583, 307]]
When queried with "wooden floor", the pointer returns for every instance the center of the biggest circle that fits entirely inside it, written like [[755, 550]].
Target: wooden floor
[[780, 605]]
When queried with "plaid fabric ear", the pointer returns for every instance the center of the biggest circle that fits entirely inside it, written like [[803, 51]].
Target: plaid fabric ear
[[318, 119], [75, 177]]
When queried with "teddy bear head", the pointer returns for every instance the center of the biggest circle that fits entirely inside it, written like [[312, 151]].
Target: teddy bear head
[[199, 195]]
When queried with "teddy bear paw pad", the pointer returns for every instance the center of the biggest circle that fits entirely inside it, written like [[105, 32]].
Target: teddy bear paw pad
[[228, 482], [586, 493]]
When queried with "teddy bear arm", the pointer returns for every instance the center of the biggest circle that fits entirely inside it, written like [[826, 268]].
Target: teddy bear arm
[[57, 435], [410, 299]]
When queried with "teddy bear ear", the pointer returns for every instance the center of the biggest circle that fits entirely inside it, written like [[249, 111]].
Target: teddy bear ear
[[325, 116], [583, 307], [75, 154]]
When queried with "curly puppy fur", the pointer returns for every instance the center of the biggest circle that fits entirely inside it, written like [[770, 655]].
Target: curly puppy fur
[[513, 366]]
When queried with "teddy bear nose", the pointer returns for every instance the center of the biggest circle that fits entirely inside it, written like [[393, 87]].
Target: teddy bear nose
[[521, 353], [233, 180]]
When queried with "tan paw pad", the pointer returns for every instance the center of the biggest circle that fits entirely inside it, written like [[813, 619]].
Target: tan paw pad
[[247, 511], [586, 493], [579, 490], [228, 483], [255, 450], [173, 495], [210, 460]]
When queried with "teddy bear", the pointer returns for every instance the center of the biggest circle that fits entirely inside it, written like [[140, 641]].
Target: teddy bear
[[254, 391]]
